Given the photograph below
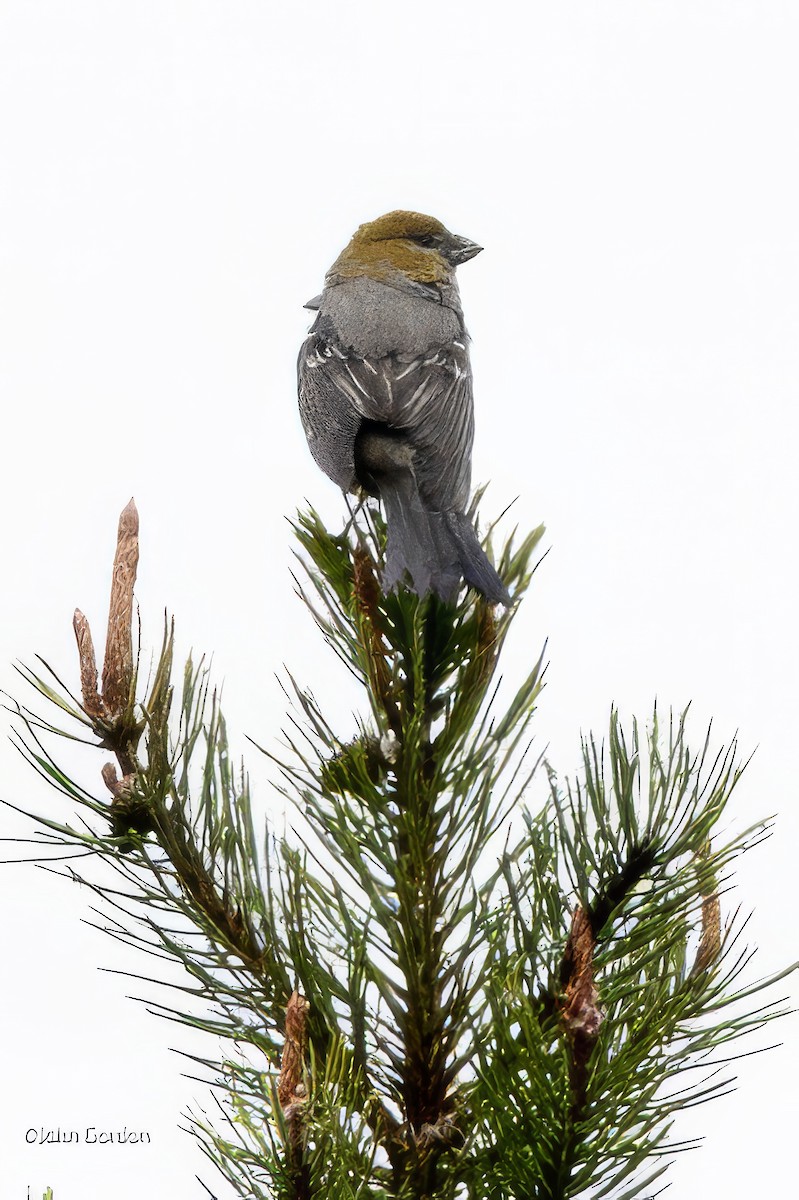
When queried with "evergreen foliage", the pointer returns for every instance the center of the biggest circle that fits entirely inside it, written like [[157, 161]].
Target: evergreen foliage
[[436, 989]]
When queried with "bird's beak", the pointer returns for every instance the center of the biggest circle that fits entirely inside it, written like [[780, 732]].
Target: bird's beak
[[460, 250]]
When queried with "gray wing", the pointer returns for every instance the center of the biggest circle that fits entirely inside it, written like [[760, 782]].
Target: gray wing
[[428, 396], [434, 403], [330, 420]]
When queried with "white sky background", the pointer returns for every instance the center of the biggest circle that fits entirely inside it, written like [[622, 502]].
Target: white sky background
[[176, 178]]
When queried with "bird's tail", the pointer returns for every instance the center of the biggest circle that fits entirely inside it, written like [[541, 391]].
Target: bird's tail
[[436, 549], [474, 563]]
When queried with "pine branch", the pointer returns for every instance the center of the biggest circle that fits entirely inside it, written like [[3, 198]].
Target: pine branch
[[587, 1037], [434, 991]]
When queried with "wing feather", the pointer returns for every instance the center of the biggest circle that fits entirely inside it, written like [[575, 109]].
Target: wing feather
[[428, 396]]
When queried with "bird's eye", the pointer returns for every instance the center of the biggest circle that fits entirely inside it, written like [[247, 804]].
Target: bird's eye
[[427, 239]]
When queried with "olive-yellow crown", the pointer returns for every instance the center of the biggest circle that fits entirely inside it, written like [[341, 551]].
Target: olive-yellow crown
[[410, 243]]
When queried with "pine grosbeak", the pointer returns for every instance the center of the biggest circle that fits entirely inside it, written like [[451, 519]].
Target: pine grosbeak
[[385, 391]]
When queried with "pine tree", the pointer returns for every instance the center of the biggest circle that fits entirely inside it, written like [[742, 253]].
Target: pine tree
[[435, 988]]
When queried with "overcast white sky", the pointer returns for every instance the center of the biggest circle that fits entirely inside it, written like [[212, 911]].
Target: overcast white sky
[[176, 176]]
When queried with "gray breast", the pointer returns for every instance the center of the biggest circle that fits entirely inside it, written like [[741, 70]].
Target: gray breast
[[374, 319]]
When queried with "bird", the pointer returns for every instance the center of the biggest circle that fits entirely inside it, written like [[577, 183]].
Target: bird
[[386, 403]]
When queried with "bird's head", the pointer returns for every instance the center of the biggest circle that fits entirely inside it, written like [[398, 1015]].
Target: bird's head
[[410, 243]]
